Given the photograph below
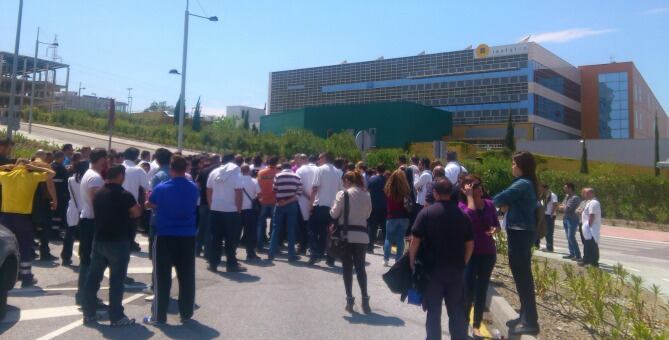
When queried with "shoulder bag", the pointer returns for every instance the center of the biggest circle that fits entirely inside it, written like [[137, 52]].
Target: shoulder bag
[[255, 205], [337, 242]]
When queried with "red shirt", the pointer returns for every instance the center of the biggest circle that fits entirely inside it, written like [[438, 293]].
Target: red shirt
[[395, 209]]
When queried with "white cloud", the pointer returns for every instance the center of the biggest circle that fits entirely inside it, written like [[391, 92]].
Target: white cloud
[[567, 35], [657, 10]]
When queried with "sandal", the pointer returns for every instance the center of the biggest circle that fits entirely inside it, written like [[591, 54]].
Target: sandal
[[124, 321]]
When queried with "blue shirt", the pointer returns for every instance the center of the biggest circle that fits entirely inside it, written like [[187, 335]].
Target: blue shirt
[[176, 201], [162, 175]]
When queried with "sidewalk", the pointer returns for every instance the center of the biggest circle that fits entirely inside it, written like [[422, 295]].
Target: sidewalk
[[630, 233]]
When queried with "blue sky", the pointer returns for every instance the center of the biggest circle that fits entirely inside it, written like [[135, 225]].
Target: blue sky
[[113, 45]]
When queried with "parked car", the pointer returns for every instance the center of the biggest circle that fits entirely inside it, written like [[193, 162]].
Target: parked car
[[9, 266]]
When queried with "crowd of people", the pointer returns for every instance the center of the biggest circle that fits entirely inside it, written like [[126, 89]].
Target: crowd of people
[[207, 205]]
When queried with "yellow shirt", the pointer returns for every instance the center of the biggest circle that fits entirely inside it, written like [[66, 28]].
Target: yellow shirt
[[18, 189]]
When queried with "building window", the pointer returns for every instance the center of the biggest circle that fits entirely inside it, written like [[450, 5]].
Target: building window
[[613, 105]]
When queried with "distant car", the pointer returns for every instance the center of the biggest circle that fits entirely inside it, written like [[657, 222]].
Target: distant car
[[9, 266]]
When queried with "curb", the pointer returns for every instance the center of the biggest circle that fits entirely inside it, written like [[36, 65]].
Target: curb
[[501, 312]]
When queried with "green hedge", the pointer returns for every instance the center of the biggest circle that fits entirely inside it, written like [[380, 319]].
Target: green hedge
[[637, 198], [223, 135]]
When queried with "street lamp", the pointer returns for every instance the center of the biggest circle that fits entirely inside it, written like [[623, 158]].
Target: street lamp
[[12, 86], [32, 86], [182, 95]]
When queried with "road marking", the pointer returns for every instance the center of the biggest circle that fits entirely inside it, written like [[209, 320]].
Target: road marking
[[140, 270], [636, 240], [632, 269], [41, 313], [665, 280], [75, 324]]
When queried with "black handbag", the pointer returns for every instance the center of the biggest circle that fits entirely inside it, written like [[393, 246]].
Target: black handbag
[[255, 205], [337, 242]]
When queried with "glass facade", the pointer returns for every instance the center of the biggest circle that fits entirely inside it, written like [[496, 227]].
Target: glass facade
[[477, 90], [613, 105]]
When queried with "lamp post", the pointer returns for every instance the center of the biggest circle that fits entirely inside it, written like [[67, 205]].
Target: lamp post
[[12, 86], [32, 86], [182, 95], [584, 157]]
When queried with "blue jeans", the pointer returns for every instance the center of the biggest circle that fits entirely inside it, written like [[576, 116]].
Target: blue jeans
[[114, 255], [570, 227], [265, 212], [395, 230], [284, 216], [86, 233]]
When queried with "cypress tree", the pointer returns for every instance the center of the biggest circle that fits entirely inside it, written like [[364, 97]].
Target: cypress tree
[[584, 158], [197, 125], [657, 147], [510, 140]]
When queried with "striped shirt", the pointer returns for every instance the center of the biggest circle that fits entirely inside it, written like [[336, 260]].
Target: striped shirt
[[287, 185]]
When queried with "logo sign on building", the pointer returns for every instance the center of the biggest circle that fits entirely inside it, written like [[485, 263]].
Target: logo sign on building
[[484, 51]]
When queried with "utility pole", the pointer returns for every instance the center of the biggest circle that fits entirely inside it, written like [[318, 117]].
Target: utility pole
[[12, 88], [129, 100]]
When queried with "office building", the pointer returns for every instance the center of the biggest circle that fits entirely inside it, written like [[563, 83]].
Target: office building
[[618, 103], [254, 113], [91, 103], [480, 86]]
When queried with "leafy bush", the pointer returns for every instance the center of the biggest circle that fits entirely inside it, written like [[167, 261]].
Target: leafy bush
[[638, 198], [387, 157]]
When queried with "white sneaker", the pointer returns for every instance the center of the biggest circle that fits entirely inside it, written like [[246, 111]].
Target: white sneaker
[[385, 263]]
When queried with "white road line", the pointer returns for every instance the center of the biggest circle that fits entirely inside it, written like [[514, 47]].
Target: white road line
[[41, 313], [75, 324], [665, 280], [632, 269], [636, 240]]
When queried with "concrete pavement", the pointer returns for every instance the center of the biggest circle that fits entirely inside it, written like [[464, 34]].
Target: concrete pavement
[[270, 301]]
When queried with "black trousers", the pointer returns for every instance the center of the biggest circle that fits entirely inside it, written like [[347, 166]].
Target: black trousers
[[302, 234], [224, 225], [520, 260], [477, 278], [177, 252], [590, 252], [446, 285], [68, 241], [250, 226], [354, 256], [376, 221]]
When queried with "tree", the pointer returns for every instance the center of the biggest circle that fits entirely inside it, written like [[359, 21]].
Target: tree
[[197, 124], [245, 117], [584, 158], [177, 111], [510, 139], [158, 107], [657, 147]]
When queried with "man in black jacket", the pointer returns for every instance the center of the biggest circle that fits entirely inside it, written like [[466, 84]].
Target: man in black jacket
[[447, 238]]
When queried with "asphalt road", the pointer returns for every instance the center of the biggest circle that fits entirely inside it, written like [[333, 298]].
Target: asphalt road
[[646, 258], [60, 135], [270, 301]]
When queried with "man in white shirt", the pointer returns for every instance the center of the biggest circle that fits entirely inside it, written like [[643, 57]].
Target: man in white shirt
[[225, 197], [420, 182], [250, 205], [89, 185], [591, 217], [307, 172], [135, 178], [327, 183], [549, 201], [453, 168]]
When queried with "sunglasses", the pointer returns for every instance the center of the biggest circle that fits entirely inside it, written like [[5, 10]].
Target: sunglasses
[[476, 185]]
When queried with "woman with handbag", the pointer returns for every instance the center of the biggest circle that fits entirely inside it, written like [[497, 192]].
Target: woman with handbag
[[398, 206], [73, 210], [351, 209]]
